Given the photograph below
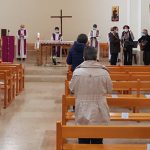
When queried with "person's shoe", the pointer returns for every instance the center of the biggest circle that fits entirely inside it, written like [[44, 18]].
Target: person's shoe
[[119, 60], [54, 60], [23, 59], [19, 59]]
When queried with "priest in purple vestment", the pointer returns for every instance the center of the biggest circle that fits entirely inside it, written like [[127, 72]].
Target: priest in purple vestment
[[21, 52], [56, 36]]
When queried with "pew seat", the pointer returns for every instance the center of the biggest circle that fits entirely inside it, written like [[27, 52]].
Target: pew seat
[[118, 117], [104, 147]]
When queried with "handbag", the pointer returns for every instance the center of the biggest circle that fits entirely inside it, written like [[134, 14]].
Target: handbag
[[129, 43]]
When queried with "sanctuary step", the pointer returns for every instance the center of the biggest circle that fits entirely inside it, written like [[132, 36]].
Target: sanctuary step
[[45, 78], [44, 74]]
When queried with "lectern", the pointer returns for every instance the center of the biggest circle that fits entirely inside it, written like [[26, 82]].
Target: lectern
[[8, 47]]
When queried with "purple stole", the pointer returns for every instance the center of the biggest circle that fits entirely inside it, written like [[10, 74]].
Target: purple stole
[[54, 37], [94, 38], [56, 49], [19, 42]]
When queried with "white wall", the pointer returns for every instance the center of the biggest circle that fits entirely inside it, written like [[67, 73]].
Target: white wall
[[35, 14], [88, 12], [134, 17], [145, 14]]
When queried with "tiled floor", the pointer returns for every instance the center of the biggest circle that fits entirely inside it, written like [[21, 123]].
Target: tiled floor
[[29, 123]]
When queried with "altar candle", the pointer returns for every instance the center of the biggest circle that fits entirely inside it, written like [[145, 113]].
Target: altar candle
[[38, 35]]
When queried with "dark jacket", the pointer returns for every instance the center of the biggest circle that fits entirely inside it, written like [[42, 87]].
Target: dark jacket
[[114, 43], [146, 41], [75, 57]]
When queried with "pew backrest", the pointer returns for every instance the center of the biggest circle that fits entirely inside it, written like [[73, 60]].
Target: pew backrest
[[122, 132]]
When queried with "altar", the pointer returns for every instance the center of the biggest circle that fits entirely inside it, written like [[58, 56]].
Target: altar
[[139, 55], [44, 53]]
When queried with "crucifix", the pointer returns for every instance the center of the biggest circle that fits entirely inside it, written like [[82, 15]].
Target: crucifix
[[61, 17]]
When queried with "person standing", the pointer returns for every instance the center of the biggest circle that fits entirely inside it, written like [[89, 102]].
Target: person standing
[[94, 36], [90, 84], [144, 42], [114, 45], [109, 55], [75, 56], [22, 43], [127, 43], [56, 36]]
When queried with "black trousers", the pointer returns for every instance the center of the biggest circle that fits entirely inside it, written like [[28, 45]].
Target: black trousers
[[90, 141], [56, 51], [114, 58], [128, 56], [146, 57]]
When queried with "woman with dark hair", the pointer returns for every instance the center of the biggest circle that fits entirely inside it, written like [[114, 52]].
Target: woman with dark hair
[[127, 43], [114, 45], [75, 56]]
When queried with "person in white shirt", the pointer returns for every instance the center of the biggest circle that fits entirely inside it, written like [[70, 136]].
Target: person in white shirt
[[94, 36], [56, 36]]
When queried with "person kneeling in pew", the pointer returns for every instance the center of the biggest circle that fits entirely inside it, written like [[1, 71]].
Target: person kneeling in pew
[[90, 84]]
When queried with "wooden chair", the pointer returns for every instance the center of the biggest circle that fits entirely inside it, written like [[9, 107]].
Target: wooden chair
[[64, 132], [104, 49]]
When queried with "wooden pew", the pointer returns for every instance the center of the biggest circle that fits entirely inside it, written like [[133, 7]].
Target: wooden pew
[[5, 77], [19, 77], [12, 79], [126, 102], [130, 86], [0, 100], [124, 76], [128, 68], [64, 132], [130, 77], [123, 68]]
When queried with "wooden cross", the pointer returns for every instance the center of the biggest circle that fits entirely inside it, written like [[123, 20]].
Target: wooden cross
[[61, 17]]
